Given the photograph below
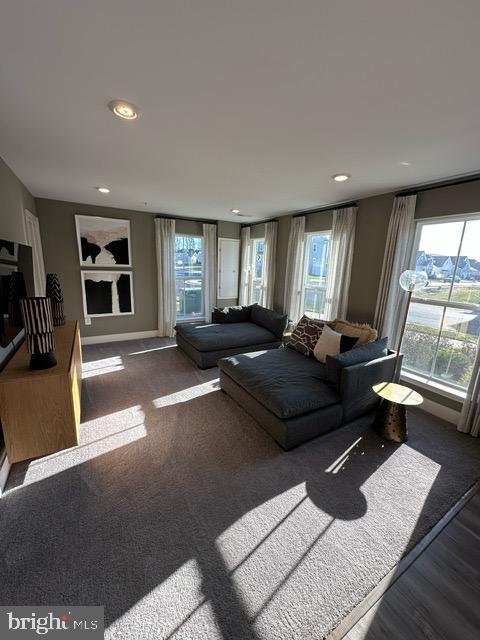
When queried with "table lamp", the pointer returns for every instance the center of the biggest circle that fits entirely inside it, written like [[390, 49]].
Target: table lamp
[[38, 323], [53, 290], [16, 291]]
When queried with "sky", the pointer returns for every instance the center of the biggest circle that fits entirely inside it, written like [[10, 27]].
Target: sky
[[444, 238]]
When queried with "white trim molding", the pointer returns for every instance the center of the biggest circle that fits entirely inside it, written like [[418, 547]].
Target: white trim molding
[[427, 383], [119, 337], [440, 411]]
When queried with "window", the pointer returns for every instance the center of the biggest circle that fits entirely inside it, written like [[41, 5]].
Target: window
[[315, 273], [443, 324], [189, 276], [256, 270]]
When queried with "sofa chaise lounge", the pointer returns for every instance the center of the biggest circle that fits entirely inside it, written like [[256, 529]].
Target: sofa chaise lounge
[[233, 330], [296, 398]]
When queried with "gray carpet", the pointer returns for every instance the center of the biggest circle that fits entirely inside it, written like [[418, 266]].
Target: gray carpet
[[181, 516]]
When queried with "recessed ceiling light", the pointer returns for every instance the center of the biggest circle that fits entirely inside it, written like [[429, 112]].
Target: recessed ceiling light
[[123, 109], [103, 189], [235, 210], [341, 177], [404, 163]]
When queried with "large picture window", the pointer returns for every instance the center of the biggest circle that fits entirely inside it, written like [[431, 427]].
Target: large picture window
[[443, 325], [189, 276], [315, 274], [256, 270]]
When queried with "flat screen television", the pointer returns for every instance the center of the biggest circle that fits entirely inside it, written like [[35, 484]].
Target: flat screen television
[[16, 282]]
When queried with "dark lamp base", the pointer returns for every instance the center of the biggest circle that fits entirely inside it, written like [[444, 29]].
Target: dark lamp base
[[43, 360]]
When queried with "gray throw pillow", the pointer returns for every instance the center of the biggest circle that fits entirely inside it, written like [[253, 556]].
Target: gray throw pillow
[[370, 351], [227, 315], [268, 319]]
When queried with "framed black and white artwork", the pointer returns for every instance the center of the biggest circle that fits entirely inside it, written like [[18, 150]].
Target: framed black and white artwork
[[107, 293], [103, 242], [8, 251]]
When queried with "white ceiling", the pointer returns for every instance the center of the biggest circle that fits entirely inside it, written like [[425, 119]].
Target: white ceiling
[[245, 103]]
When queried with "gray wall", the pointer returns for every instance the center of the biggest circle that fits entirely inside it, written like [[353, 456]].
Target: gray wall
[[57, 226], [371, 232], [14, 198], [319, 221]]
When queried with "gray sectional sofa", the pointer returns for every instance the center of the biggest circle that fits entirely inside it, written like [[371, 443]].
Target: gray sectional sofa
[[296, 398], [233, 330]]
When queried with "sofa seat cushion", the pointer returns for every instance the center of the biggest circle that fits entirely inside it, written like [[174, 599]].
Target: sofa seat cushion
[[284, 381], [216, 337]]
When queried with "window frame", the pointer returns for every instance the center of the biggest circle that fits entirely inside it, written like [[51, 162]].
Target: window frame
[[202, 278], [306, 243], [430, 381]]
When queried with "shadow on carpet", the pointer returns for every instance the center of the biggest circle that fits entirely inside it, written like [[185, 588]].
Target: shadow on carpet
[[182, 517]]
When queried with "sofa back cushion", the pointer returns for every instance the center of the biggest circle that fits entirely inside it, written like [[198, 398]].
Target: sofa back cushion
[[306, 335], [365, 353], [226, 315], [364, 332], [268, 319]]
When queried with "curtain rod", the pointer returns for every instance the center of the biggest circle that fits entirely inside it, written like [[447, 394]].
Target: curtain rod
[[330, 207], [167, 217], [254, 224], [438, 185]]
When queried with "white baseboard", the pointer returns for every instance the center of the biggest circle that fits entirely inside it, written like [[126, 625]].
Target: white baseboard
[[4, 471], [119, 337], [440, 411]]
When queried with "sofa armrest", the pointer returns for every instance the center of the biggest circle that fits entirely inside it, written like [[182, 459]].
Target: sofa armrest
[[356, 382]]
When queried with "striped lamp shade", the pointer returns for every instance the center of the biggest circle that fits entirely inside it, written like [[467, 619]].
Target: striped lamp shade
[[53, 290], [38, 323], [16, 291]]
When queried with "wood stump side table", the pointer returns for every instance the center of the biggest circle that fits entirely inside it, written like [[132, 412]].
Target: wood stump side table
[[391, 419]]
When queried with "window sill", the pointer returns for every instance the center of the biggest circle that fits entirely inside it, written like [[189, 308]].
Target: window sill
[[433, 385], [196, 319]]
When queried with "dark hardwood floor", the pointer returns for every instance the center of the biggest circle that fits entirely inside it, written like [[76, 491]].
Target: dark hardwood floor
[[438, 595]]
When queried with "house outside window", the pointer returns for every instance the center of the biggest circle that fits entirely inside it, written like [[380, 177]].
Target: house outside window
[[256, 270], [443, 325], [315, 273], [189, 277]]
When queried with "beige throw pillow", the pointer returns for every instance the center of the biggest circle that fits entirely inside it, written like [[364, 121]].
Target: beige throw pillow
[[364, 332], [331, 343]]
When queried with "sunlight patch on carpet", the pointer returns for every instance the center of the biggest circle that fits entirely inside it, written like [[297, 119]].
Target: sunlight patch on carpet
[[98, 437], [101, 367], [187, 394]]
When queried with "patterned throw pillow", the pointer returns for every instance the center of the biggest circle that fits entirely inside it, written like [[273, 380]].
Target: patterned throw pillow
[[305, 335]]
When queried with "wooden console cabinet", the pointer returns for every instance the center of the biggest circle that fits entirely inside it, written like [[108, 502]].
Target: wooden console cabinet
[[40, 410]]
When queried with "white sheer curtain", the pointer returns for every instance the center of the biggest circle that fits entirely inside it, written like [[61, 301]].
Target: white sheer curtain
[[209, 269], [32, 230], [244, 265], [269, 255], [167, 296], [292, 301], [340, 262], [470, 417], [392, 299]]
